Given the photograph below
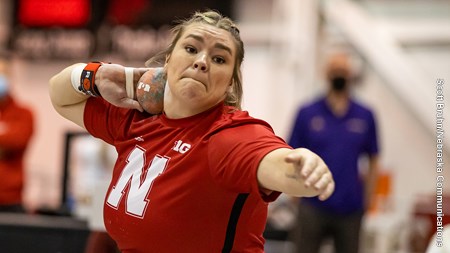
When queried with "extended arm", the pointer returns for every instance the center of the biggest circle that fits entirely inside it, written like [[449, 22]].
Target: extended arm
[[297, 172]]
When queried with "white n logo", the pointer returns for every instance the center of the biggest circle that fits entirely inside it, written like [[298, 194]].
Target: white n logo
[[136, 201]]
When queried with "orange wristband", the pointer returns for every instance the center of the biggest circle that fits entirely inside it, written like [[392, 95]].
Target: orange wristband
[[87, 79]]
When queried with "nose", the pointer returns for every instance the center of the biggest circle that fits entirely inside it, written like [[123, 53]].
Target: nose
[[201, 63]]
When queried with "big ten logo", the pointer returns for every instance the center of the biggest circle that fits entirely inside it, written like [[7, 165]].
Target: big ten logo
[[181, 147]]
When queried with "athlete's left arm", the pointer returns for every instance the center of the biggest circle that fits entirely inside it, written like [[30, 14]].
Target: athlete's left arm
[[297, 172]]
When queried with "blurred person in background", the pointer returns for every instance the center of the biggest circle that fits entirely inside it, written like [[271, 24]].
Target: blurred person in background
[[340, 130], [16, 129]]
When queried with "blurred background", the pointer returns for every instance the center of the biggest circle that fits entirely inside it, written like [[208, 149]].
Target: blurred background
[[399, 49]]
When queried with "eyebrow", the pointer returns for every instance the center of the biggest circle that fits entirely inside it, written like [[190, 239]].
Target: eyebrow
[[217, 45]]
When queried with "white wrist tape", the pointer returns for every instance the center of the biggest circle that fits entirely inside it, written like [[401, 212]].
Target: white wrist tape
[[75, 77], [129, 81]]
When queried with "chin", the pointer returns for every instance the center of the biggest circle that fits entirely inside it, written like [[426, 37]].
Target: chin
[[192, 90]]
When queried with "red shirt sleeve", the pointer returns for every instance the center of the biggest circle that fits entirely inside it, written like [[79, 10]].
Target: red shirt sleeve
[[102, 119], [235, 153]]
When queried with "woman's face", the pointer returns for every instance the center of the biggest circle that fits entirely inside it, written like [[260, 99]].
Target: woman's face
[[199, 69]]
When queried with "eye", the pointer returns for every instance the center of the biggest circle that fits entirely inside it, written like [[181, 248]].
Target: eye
[[190, 49], [219, 60]]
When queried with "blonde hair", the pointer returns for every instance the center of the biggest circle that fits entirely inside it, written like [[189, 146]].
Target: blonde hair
[[234, 96]]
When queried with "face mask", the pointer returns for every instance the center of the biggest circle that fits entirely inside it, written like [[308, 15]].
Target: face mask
[[338, 83], [3, 86]]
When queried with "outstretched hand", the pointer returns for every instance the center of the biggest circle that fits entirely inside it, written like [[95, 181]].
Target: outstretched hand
[[110, 81], [315, 174]]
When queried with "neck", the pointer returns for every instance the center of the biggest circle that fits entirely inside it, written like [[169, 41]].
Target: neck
[[338, 102], [176, 109]]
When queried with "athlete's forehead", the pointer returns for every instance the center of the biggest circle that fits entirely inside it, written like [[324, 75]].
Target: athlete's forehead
[[208, 34]]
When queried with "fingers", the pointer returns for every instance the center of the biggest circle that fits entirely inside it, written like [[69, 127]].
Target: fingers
[[317, 176], [307, 165], [110, 80], [130, 103], [328, 191], [322, 181], [314, 172], [141, 71]]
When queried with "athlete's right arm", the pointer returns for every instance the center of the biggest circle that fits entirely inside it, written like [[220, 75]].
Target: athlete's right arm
[[65, 99], [110, 80]]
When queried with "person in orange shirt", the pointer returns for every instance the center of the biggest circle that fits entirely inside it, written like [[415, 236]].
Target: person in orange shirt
[[16, 129]]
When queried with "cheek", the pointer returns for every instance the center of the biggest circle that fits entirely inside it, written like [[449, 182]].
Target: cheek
[[224, 80], [172, 74], [175, 62]]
